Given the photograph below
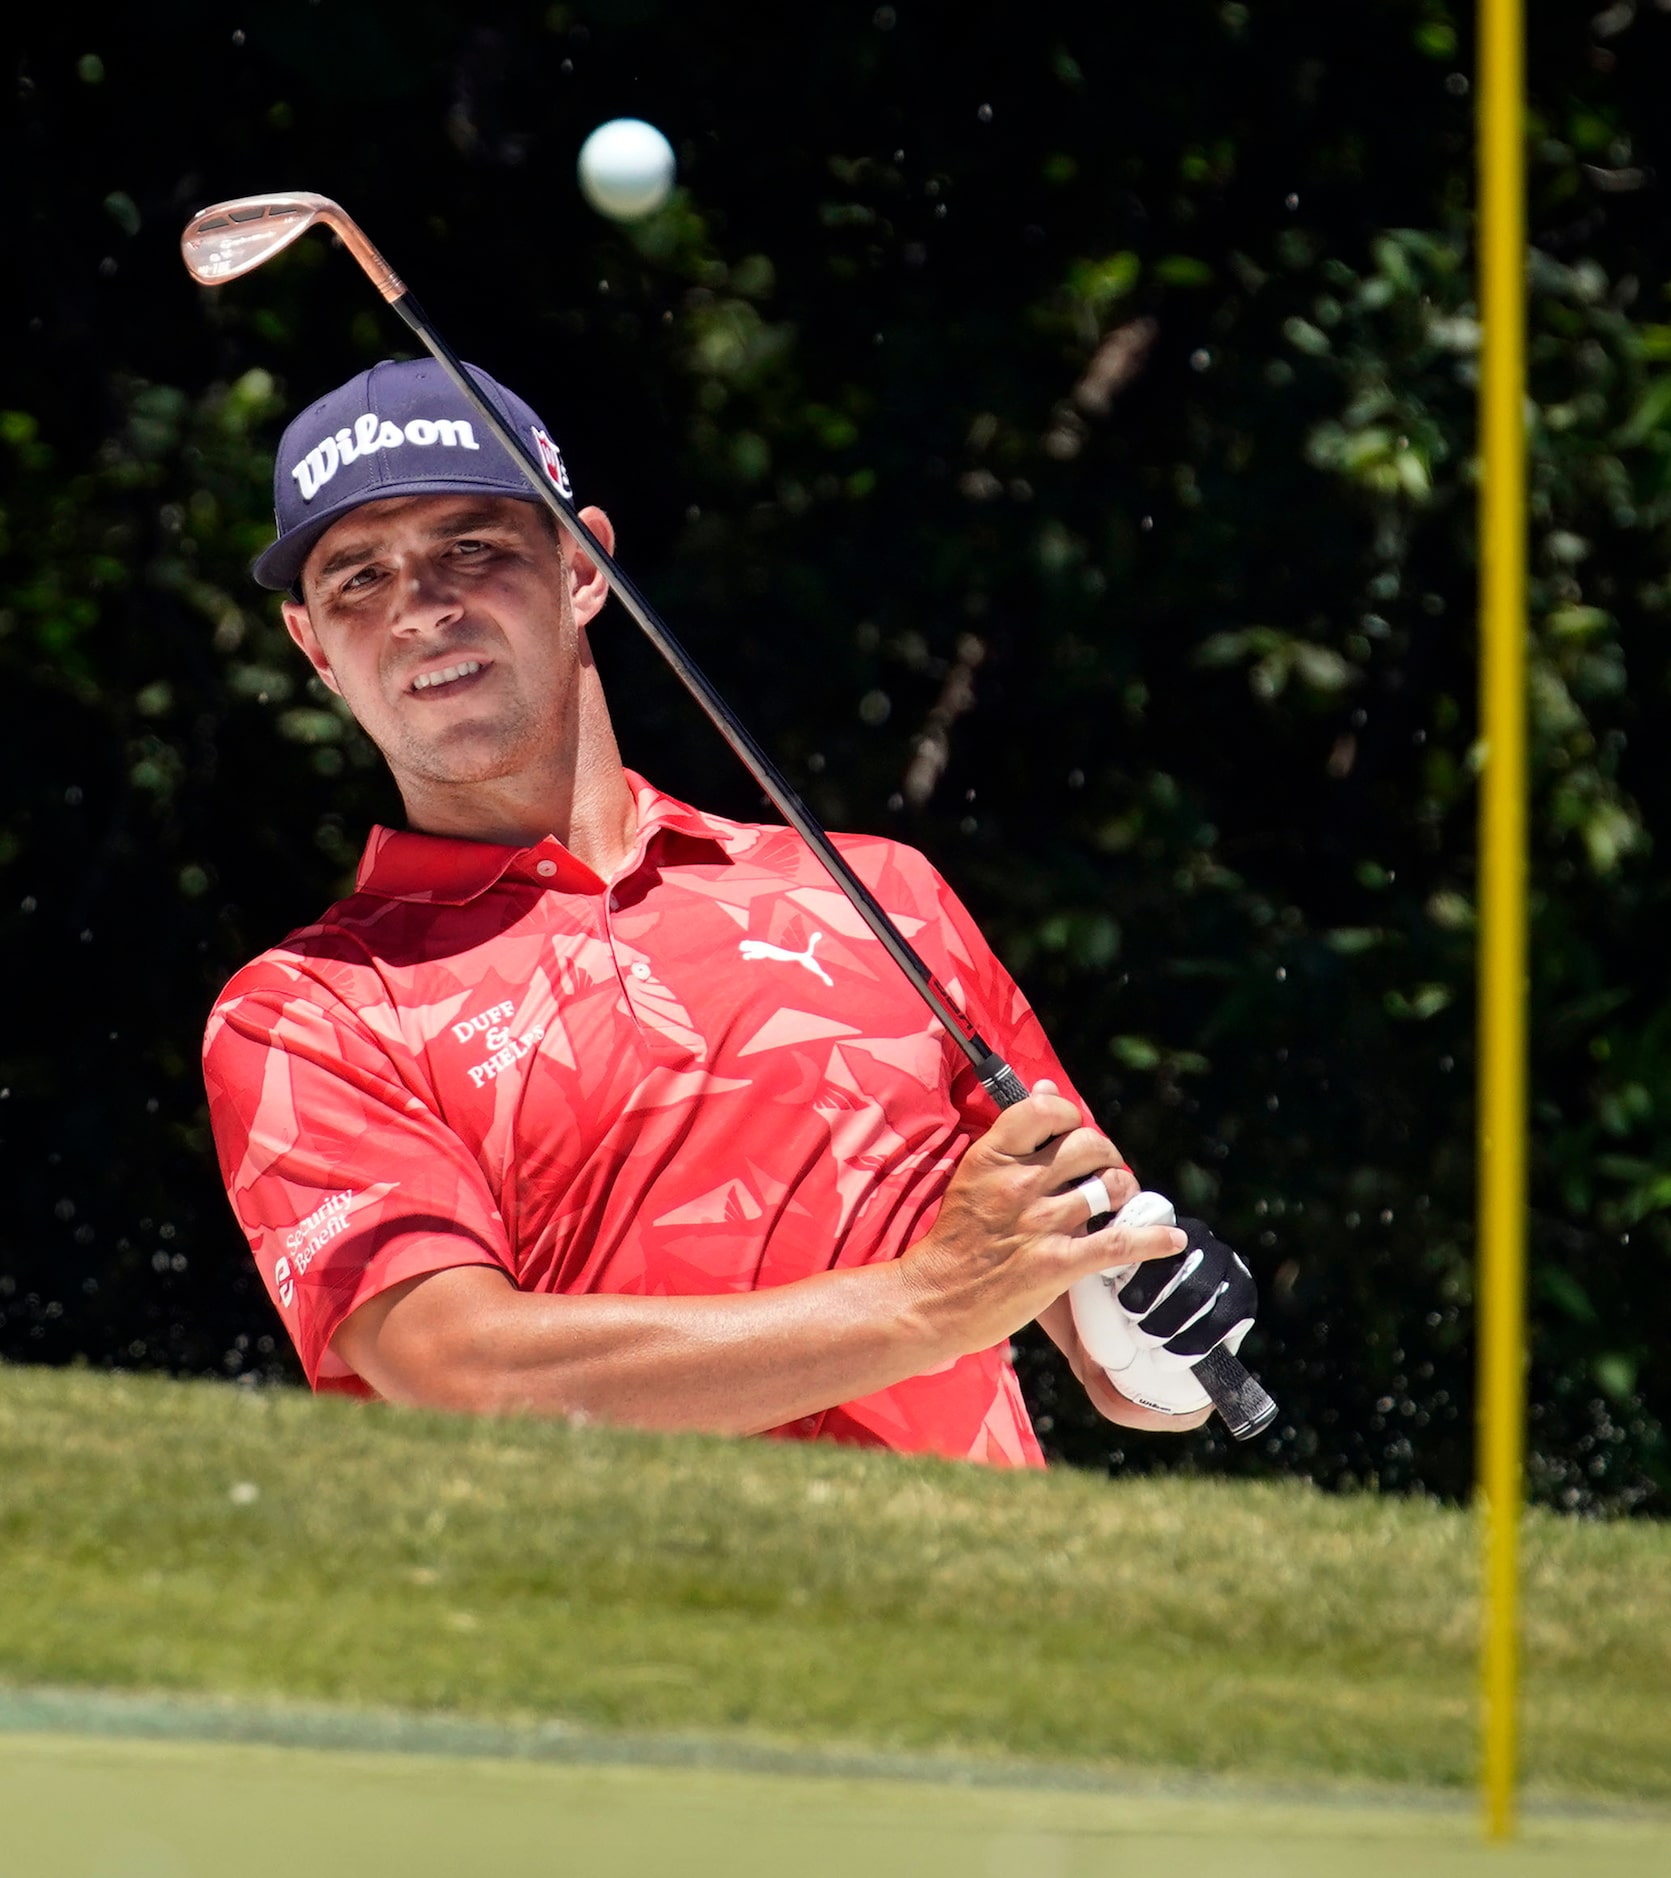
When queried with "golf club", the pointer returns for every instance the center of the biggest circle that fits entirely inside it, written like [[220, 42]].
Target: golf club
[[234, 238]]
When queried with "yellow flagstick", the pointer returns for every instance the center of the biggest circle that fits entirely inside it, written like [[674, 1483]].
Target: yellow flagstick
[[1502, 846]]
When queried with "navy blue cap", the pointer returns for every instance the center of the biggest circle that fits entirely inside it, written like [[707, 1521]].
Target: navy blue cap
[[400, 429]]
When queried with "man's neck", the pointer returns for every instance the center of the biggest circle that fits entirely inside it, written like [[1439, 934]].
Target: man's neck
[[593, 814]]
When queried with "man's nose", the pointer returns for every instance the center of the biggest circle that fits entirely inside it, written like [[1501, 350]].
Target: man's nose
[[425, 597]]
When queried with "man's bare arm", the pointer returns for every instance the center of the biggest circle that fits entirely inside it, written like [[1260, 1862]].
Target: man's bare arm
[[1009, 1240], [735, 1364]]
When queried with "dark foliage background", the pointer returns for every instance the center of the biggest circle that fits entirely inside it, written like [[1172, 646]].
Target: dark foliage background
[[1111, 368]]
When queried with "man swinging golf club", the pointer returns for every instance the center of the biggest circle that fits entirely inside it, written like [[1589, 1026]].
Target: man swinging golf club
[[587, 1102]]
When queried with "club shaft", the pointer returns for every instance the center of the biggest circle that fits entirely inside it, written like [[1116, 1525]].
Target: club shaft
[[754, 759]]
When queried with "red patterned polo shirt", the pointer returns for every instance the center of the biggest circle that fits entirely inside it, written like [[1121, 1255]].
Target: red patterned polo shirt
[[701, 1075]]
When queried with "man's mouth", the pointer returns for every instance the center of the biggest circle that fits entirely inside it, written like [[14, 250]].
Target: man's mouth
[[446, 675]]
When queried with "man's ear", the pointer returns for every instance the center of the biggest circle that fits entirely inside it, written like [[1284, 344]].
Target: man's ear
[[590, 589], [300, 627]]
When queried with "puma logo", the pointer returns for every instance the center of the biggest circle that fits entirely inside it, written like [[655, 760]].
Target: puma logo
[[759, 949]]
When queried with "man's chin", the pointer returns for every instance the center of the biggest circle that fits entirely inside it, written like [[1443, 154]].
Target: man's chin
[[463, 755]]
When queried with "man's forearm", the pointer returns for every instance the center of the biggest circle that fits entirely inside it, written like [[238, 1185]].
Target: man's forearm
[[1007, 1242], [731, 1364]]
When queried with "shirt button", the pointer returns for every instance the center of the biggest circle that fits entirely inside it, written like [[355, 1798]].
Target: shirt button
[[614, 903], [545, 868], [640, 969]]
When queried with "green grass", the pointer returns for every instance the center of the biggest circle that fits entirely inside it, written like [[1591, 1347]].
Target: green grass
[[75, 1806], [260, 1545]]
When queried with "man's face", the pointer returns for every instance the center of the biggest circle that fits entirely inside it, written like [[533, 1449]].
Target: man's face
[[450, 626]]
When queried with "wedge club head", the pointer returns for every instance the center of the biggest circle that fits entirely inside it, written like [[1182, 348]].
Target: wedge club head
[[236, 237]]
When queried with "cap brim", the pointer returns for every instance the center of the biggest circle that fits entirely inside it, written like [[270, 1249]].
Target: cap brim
[[280, 567]]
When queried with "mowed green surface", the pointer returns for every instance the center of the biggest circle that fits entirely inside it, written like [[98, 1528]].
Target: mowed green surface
[[264, 1546], [75, 1808]]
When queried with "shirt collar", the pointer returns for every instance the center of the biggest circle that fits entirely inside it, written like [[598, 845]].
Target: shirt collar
[[444, 870]]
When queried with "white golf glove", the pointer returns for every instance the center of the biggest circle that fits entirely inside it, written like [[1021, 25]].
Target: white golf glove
[[1148, 1324]]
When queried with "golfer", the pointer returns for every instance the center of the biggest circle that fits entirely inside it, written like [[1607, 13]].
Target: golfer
[[586, 1102]]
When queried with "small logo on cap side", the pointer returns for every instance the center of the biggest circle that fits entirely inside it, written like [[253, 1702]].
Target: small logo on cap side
[[551, 460], [371, 432]]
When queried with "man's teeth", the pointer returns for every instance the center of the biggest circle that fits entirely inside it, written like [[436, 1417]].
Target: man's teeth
[[425, 680]]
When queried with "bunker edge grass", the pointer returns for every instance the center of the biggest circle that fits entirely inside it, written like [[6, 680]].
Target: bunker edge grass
[[202, 1539]]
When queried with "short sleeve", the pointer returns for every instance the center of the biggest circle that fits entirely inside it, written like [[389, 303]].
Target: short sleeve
[[344, 1180]]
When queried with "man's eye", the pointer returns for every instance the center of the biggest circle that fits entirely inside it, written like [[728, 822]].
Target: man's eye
[[471, 547], [363, 578]]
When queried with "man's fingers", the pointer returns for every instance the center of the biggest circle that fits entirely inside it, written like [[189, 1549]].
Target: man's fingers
[[1132, 1245], [1031, 1125], [1070, 1160], [1088, 1197]]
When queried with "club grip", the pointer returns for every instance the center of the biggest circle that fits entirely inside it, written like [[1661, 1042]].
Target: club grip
[[1000, 1081], [1237, 1395]]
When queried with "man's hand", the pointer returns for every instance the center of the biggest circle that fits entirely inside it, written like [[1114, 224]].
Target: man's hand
[[1056, 1321], [1010, 1235]]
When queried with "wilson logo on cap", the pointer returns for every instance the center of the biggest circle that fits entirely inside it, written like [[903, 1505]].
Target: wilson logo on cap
[[383, 435], [371, 432]]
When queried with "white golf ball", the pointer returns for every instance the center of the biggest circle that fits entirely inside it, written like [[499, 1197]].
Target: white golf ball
[[626, 169]]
